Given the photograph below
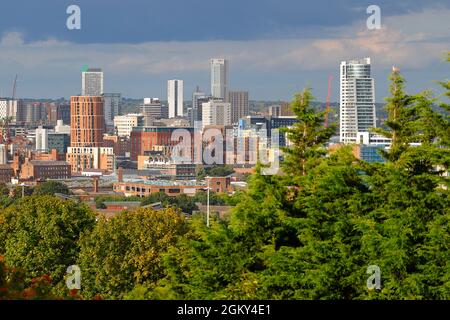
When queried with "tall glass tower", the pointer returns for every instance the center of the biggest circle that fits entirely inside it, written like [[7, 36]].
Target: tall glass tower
[[219, 78], [357, 99]]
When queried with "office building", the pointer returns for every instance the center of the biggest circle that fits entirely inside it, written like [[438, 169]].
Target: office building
[[153, 110], [216, 112], [87, 121], [275, 111], [57, 112], [112, 107], [239, 105], [41, 169], [30, 112], [60, 127], [58, 141], [198, 98], [86, 158], [219, 78], [286, 110], [357, 99], [92, 82], [41, 139], [175, 98], [164, 167], [8, 109], [124, 124], [156, 139]]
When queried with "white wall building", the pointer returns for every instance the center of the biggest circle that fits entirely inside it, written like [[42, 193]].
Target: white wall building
[[41, 139], [60, 127], [219, 78], [216, 112], [357, 99], [124, 124], [175, 98], [3, 154], [92, 82]]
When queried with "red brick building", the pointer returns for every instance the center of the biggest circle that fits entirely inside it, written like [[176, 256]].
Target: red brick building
[[6, 173], [220, 184], [87, 121], [41, 169], [146, 138], [120, 145]]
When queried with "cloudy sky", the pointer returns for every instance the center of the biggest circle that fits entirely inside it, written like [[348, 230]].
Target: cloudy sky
[[275, 47]]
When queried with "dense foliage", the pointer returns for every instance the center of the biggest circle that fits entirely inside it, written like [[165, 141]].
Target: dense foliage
[[39, 235], [126, 251]]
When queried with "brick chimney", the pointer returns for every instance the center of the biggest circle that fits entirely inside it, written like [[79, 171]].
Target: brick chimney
[[120, 174], [95, 183]]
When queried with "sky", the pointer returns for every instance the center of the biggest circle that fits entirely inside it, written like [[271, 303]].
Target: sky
[[275, 47]]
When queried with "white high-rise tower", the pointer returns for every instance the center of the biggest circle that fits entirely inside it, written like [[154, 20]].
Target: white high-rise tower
[[219, 78], [357, 99], [175, 98], [92, 82]]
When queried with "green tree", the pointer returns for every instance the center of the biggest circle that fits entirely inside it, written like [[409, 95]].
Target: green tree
[[125, 252], [50, 188], [400, 117], [4, 189], [17, 191], [307, 136], [214, 171], [39, 235], [312, 233]]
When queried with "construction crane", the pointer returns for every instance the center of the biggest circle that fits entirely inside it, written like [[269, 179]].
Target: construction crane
[[14, 88], [327, 110]]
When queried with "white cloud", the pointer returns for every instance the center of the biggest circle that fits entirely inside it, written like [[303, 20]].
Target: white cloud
[[413, 41]]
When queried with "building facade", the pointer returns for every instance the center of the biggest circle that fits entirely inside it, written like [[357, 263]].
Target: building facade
[[145, 188], [219, 78], [8, 109], [6, 173], [152, 138], [163, 167], [152, 109], [198, 98], [86, 158], [92, 82], [112, 103], [58, 141], [175, 98], [216, 112], [125, 124], [87, 123], [40, 169], [3, 154], [30, 112], [357, 99], [239, 105]]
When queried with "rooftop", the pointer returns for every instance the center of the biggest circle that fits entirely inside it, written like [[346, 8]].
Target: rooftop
[[49, 163]]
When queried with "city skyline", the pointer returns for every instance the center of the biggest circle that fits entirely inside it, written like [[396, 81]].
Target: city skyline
[[270, 65]]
